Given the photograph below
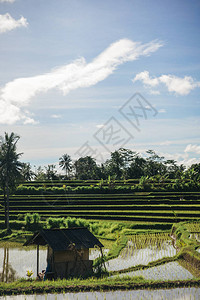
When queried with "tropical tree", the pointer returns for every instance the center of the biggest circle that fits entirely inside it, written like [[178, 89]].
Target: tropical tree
[[86, 168], [154, 164], [10, 169], [194, 172], [137, 167], [27, 172], [40, 174], [115, 165], [65, 163], [51, 173]]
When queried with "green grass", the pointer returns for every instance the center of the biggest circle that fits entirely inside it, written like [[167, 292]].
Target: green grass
[[91, 284]]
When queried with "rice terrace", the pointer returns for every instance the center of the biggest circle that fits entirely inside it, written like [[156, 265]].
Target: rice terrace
[[99, 150], [98, 236]]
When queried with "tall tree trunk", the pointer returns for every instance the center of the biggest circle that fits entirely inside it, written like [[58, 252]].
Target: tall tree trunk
[[7, 264], [4, 265], [7, 206]]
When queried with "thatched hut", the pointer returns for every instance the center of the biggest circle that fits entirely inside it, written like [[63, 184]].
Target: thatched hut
[[68, 251]]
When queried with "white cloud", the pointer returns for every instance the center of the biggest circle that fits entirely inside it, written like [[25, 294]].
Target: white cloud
[[166, 143], [190, 161], [162, 110], [100, 125], [9, 1], [10, 114], [181, 86], [78, 74], [145, 78], [192, 148], [178, 85], [56, 116], [180, 158], [154, 92], [8, 23]]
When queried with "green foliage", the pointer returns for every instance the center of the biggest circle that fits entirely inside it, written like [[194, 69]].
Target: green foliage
[[10, 169], [3, 233], [185, 243], [28, 219], [86, 168], [32, 221], [120, 243], [99, 267], [76, 222], [20, 217], [36, 218], [65, 163], [143, 183], [29, 273], [55, 222]]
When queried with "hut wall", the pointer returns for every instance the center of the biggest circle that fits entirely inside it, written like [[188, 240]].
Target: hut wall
[[49, 254], [70, 263], [73, 268], [69, 255]]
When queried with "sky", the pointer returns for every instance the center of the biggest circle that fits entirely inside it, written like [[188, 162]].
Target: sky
[[88, 77]]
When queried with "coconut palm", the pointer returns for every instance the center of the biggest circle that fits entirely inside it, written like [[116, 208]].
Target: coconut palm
[[65, 163], [27, 172], [10, 169]]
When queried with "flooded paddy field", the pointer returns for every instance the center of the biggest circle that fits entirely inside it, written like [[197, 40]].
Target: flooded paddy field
[[164, 294], [142, 249], [16, 260], [168, 271]]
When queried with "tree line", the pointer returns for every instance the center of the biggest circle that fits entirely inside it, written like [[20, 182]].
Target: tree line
[[123, 164]]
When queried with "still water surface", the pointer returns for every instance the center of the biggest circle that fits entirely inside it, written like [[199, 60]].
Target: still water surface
[[172, 294], [15, 259]]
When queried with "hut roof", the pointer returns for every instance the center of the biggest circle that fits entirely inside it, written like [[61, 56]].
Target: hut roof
[[62, 239]]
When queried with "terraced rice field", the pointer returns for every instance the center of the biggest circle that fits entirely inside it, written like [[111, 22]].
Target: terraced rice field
[[168, 271], [15, 260], [165, 207], [142, 249]]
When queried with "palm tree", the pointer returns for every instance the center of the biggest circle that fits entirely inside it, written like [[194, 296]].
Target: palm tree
[[27, 172], [65, 163], [10, 169]]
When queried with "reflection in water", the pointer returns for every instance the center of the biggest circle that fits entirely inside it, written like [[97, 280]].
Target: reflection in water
[[178, 294], [142, 249], [196, 236], [8, 274], [16, 261], [169, 271]]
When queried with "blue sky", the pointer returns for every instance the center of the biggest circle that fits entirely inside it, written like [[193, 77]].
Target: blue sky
[[67, 67]]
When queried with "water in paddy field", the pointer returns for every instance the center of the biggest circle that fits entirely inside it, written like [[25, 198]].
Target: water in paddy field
[[15, 261], [142, 249], [170, 294], [169, 271], [195, 236]]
